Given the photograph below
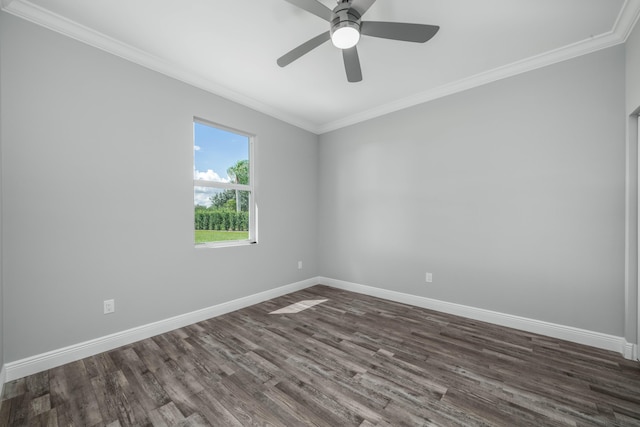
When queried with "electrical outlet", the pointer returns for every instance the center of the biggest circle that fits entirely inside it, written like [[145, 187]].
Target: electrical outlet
[[109, 306], [429, 278], [299, 265]]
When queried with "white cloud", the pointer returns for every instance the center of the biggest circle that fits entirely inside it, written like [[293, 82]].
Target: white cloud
[[209, 175], [201, 196], [196, 148]]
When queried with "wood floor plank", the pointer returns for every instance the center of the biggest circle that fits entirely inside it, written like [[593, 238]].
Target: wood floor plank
[[167, 416], [38, 384], [39, 405], [118, 401], [19, 410], [212, 409], [318, 403], [5, 411], [71, 390], [302, 412], [352, 360], [45, 419]]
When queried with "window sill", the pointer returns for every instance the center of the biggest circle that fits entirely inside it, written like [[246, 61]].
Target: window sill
[[225, 244]]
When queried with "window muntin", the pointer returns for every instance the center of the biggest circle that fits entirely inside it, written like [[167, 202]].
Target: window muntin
[[223, 178]]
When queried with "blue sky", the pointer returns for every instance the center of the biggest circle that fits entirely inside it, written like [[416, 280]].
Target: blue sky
[[214, 151]]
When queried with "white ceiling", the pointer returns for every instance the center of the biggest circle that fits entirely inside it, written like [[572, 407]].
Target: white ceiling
[[230, 47]]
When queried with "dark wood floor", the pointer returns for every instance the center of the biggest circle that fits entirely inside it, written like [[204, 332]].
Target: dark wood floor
[[350, 361]]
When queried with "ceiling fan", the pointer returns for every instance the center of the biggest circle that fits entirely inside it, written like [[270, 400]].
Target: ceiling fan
[[346, 27]]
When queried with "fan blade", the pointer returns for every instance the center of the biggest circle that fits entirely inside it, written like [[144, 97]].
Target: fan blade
[[304, 48], [352, 64], [417, 33], [313, 6], [362, 6]]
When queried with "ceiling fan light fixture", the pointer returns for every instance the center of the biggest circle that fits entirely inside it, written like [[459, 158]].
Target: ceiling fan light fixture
[[345, 36], [345, 31]]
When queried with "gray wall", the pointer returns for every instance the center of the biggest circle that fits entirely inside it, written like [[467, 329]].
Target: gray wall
[[1, 286], [512, 194], [98, 195], [633, 70], [633, 108]]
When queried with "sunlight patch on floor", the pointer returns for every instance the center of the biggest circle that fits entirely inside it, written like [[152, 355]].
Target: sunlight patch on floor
[[299, 306]]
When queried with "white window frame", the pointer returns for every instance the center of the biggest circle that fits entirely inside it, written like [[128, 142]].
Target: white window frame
[[253, 232]]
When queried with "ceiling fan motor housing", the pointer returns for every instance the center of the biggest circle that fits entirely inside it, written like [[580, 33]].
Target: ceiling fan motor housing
[[345, 16]]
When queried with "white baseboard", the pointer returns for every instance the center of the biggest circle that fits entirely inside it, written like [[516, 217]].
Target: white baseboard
[[568, 333], [41, 362], [631, 351], [38, 363], [3, 379]]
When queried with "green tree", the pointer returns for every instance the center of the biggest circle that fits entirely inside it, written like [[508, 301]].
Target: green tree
[[234, 199], [239, 174], [221, 200]]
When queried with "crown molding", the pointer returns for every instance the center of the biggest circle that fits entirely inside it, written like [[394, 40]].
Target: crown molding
[[627, 19], [622, 28], [52, 21]]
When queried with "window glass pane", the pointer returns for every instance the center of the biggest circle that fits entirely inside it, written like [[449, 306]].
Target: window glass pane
[[204, 196], [220, 155], [220, 215], [223, 197]]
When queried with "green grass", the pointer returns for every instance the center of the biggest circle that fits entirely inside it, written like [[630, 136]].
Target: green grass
[[206, 236]]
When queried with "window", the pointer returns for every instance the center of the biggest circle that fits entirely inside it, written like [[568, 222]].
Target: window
[[223, 192]]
